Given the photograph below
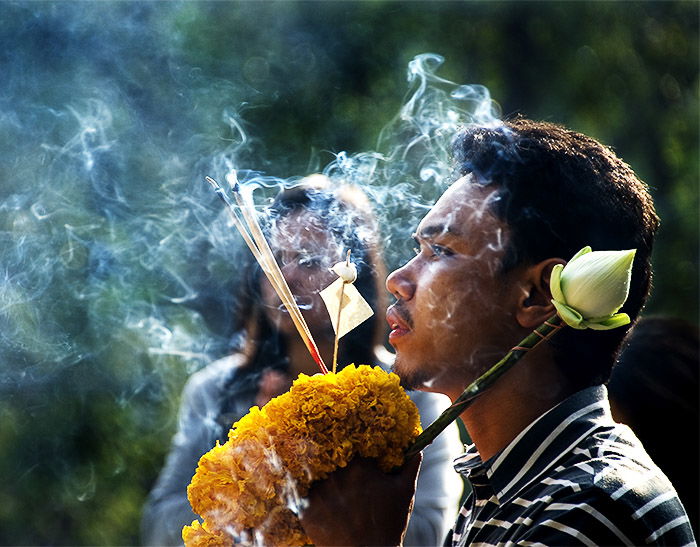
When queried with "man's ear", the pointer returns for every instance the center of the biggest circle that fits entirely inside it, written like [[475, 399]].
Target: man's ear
[[535, 302]]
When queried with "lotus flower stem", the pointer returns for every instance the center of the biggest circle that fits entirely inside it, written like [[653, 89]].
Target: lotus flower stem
[[482, 383]]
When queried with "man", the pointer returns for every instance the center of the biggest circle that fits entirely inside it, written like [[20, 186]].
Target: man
[[548, 465]]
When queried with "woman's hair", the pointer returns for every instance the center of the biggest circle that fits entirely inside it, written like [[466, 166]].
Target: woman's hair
[[345, 213]]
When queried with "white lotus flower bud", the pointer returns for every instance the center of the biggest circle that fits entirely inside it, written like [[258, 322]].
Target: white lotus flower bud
[[592, 287], [346, 271]]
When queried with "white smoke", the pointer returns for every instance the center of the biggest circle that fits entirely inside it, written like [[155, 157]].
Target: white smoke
[[117, 262]]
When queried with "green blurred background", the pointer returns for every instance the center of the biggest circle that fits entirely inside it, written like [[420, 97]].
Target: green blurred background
[[113, 251]]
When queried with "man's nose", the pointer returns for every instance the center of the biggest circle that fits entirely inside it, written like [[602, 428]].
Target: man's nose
[[400, 284]]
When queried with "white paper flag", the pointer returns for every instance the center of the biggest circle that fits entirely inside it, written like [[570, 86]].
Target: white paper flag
[[355, 309]]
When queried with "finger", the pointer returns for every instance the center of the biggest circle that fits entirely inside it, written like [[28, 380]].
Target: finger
[[412, 465]]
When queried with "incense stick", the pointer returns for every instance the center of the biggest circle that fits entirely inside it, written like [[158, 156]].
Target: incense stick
[[236, 221], [256, 242], [284, 291], [337, 323]]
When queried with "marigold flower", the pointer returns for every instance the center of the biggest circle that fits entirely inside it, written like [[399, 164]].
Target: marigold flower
[[198, 535], [251, 488]]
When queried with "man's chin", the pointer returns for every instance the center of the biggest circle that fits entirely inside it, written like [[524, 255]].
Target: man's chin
[[410, 380]]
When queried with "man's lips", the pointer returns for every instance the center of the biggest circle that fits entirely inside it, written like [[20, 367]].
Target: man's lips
[[399, 322]]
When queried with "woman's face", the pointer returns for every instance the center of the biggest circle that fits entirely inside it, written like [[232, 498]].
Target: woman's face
[[305, 251]]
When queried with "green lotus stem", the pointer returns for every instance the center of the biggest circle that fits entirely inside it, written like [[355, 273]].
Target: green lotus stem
[[482, 383]]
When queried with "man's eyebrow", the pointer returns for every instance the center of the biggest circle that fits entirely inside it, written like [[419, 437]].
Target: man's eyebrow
[[430, 231]]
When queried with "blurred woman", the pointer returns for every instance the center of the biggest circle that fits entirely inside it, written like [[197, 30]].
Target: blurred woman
[[310, 228], [654, 389]]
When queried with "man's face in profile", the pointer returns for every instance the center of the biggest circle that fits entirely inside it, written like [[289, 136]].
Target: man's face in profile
[[453, 303]]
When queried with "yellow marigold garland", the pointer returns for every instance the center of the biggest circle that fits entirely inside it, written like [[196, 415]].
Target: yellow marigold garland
[[247, 489]]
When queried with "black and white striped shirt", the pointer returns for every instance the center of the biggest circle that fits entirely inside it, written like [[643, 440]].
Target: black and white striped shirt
[[572, 477]]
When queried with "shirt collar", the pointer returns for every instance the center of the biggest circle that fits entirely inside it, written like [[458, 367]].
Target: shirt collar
[[469, 461], [541, 444]]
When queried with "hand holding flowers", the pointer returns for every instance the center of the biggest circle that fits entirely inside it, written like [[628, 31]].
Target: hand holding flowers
[[252, 488]]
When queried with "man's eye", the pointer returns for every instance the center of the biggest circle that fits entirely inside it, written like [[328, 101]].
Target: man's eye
[[433, 251], [440, 251]]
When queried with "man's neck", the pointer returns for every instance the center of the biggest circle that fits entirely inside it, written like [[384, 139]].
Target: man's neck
[[521, 395]]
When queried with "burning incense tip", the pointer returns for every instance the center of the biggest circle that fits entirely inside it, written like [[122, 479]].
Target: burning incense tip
[[232, 179], [219, 192]]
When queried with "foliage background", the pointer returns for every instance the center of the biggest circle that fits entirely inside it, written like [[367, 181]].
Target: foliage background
[[111, 111]]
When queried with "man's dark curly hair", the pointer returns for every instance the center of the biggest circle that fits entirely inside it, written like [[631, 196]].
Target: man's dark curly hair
[[559, 191]]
